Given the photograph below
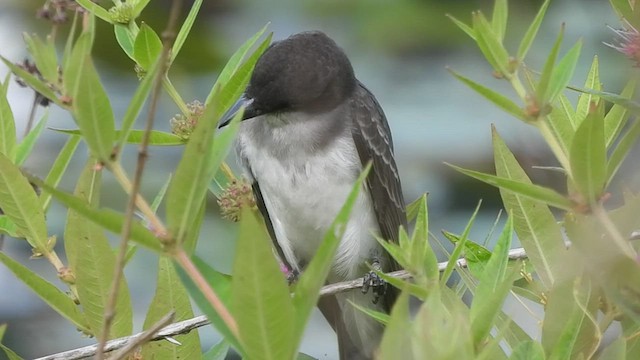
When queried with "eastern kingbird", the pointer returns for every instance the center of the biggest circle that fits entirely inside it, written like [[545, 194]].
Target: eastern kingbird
[[310, 126]]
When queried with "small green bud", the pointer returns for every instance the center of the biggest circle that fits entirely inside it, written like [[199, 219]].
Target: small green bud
[[182, 125], [237, 196], [122, 13]]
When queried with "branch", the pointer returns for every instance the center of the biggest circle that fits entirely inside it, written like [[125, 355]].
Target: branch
[[184, 327]]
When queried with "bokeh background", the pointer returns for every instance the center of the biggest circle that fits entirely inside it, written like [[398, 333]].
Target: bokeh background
[[399, 49]]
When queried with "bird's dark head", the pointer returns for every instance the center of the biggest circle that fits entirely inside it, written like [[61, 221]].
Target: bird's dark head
[[306, 72]]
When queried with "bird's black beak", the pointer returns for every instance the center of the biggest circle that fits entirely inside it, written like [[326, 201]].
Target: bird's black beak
[[243, 102]]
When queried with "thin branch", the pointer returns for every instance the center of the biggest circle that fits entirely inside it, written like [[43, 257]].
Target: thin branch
[[168, 37], [144, 337], [186, 326]]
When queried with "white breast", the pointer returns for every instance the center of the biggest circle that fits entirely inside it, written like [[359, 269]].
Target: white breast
[[304, 188]]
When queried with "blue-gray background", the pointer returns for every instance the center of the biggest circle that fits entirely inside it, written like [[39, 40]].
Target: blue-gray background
[[399, 49]]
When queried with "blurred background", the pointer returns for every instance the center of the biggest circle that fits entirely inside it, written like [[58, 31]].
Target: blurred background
[[400, 50]]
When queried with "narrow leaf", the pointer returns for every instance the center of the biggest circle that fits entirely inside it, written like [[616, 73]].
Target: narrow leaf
[[218, 351], [20, 203], [7, 127], [563, 72], [617, 116], [106, 218], [532, 191], [91, 107], [621, 151], [125, 38], [542, 89], [96, 10], [8, 227], [44, 55], [24, 148], [236, 59], [588, 158], [585, 99], [532, 31], [54, 297], [261, 301], [92, 261], [464, 27], [147, 47], [157, 138], [534, 223], [499, 18], [139, 6], [59, 167], [528, 350], [170, 295], [185, 29], [490, 44], [493, 288], [34, 82], [498, 99]]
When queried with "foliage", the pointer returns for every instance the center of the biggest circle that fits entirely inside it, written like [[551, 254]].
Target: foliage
[[583, 287]]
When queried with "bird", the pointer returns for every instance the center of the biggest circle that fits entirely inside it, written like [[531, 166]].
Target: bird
[[309, 127]]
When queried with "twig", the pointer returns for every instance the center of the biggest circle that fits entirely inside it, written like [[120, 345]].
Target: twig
[[186, 326], [144, 337], [168, 37]]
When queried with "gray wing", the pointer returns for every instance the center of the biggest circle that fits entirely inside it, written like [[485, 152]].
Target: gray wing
[[372, 137], [257, 194]]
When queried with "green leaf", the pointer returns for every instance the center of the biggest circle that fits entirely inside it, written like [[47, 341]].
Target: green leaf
[[395, 343], [135, 106], [261, 301], [34, 82], [68, 45], [238, 81], [569, 330], [534, 223], [157, 138], [54, 297], [494, 285], [498, 99], [532, 191], [532, 31], [20, 204], [542, 90], [588, 158], [126, 38], [560, 120], [92, 261], [585, 99], [7, 127], [90, 103], [59, 167], [218, 351], [8, 227], [315, 274], [499, 18], [200, 161], [221, 284], [139, 6], [24, 148], [464, 27], [185, 29], [235, 60], [10, 354], [528, 350], [44, 55], [170, 296], [617, 116], [490, 44], [96, 10], [423, 262], [621, 151], [563, 72], [106, 218], [147, 47], [446, 274]]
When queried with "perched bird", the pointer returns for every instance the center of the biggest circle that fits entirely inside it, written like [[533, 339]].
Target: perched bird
[[310, 128]]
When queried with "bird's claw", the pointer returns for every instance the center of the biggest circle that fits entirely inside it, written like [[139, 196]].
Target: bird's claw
[[372, 281], [292, 277]]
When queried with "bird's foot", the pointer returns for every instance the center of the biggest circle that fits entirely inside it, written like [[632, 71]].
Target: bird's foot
[[372, 281], [292, 277]]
